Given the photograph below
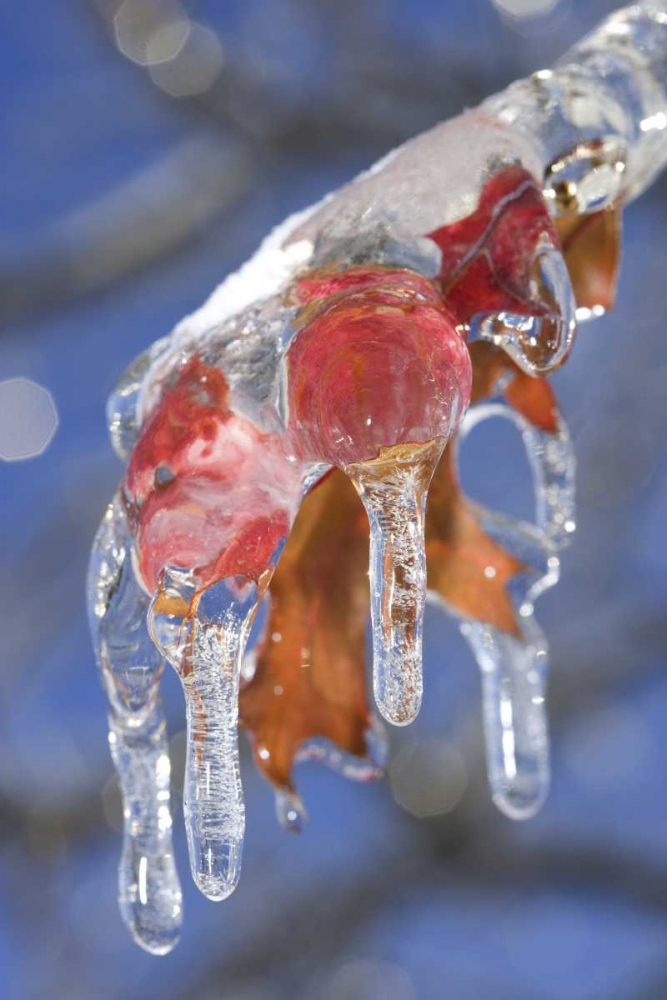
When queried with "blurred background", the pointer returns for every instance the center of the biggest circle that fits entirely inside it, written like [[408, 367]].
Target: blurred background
[[147, 148]]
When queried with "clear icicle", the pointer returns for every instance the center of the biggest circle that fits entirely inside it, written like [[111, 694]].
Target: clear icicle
[[149, 890], [514, 669], [206, 647], [148, 886], [515, 723], [393, 489]]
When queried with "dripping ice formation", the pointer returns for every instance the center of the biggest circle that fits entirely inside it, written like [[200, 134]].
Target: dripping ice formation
[[294, 441]]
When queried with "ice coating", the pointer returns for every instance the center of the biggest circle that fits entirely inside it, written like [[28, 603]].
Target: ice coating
[[598, 117], [341, 358]]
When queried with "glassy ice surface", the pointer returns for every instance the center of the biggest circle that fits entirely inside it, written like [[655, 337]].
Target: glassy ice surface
[[600, 112], [149, 892], [206, 651], [148, 886]]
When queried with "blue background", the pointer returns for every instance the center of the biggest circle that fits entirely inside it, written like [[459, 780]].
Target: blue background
[[121, 208]]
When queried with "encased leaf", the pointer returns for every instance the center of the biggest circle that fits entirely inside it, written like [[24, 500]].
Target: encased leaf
[[309, 679]]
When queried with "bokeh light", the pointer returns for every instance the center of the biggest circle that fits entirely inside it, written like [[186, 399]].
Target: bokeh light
[[525, 8], [151, 31], [194, 68], [369, 980], [28, 419], [428, 778]]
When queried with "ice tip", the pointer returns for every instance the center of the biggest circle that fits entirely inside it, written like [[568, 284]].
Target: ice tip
[[155, 942], [521, 805], [290, 811], [219, 867]]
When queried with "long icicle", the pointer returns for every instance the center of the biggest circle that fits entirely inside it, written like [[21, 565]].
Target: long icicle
[[205, 639], [149, 891], [393, 489], [514, 669]]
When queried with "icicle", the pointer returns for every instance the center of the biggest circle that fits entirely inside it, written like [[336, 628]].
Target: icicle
[[393, 489], [204, 638], [290, 811], [515, 724], [514, 668], [149, 890], [148, 886]]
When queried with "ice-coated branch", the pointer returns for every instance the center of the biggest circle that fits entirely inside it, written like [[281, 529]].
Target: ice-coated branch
[[598, 119], [348, 349]]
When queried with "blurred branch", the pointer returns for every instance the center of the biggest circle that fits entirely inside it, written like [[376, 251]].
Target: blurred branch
[[126, 231]]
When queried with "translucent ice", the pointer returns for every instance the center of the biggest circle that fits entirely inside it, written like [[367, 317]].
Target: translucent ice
[[205, 643], [514, 666], [130, 665], [393, 489]]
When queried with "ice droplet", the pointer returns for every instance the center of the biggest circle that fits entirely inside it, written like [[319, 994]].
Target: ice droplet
[[206, 645], [393, 489], [148, 887], [515, 724], [536, 343], [290, 811]]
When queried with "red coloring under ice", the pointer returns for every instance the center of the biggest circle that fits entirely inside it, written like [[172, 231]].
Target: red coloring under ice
[[380, 360], [207, 488]]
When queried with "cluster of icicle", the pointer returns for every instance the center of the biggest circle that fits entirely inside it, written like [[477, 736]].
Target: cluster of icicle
[[170, 585]]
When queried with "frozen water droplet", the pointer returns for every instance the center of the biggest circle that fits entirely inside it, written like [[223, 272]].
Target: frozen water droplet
[[393, 489], [586, 179], [515, 723], [536, 343], [148, 887], [290, 811]]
